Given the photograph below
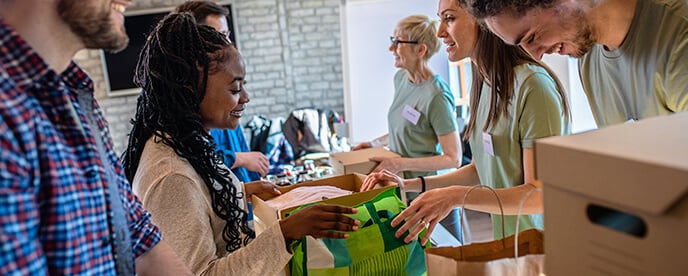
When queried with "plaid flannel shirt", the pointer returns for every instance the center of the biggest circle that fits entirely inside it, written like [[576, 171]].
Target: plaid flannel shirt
[[55, 217]]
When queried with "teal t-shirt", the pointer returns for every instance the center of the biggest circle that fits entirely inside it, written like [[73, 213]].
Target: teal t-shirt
[[648, 75], [433, 104], [536, 111]]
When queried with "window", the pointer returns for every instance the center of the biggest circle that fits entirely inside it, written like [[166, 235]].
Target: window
[[119, 68], [460, 78]]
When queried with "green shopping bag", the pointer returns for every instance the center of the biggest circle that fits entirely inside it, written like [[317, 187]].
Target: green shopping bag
[[372, 250]]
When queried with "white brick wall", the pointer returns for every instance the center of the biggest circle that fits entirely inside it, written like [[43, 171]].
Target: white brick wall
[[293, 59]]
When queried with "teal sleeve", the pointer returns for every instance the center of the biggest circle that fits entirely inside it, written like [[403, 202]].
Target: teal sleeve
[[541, 111], [676, 82], [441, 114]]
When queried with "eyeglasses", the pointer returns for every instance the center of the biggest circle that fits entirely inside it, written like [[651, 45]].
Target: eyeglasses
[[396, 42]]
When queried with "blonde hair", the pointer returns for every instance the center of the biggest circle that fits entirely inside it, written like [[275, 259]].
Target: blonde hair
[[422, 29]]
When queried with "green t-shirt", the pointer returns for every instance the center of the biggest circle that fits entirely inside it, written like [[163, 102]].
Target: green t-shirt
[[648, 75], [536, 111], [433, 103]]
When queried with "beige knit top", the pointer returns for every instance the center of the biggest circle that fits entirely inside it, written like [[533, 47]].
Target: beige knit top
[[180, 204]]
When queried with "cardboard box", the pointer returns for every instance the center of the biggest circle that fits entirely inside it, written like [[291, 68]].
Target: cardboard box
[[264, 215], [357, 161], [640, 169]]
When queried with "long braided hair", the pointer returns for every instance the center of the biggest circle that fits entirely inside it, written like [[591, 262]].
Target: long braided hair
[[172, 71]]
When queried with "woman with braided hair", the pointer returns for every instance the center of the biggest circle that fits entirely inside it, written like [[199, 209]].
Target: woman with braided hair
[[192, 78]]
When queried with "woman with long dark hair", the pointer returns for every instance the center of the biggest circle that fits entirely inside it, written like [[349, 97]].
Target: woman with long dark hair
[[192, 78], [514, 100]]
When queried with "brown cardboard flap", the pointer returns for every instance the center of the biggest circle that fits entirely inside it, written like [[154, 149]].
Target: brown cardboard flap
[[358, 156], [351, 182], [263, 212], [640, 166], [348, 200]]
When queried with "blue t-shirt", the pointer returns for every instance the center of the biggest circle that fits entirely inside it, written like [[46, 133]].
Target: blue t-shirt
[[229, 142]]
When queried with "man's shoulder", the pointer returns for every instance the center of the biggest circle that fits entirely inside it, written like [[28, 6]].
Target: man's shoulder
[[6, 82], [17, 117], [13, 100], [677, 7]]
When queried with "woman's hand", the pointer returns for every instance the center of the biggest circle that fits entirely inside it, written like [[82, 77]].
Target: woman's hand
[[260, 186], [363, 145], [319, 221], [426, 211], [380, 178], [392, 164]]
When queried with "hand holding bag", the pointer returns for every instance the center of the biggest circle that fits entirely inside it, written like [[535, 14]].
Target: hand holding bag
[[372, 250], [491, 258]]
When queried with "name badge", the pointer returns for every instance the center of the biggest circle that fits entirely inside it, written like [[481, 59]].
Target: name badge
[[410, 114], [487, 144]]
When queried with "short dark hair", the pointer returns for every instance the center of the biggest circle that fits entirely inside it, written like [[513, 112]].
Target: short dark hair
[[201, 9], [486, 8]]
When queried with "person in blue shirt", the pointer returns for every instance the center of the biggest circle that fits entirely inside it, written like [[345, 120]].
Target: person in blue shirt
[[238, 157]]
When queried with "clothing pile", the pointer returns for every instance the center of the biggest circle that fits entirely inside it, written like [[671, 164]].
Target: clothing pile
[[305, 195]]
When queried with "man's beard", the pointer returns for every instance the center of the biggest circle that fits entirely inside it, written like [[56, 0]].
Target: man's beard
[[92, 25], [584, 41]]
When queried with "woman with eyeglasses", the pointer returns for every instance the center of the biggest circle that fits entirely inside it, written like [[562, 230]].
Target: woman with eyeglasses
[[422, 127], [421, 120], [514, 100]]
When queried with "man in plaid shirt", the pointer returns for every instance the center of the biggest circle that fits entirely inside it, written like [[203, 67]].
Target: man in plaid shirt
[[65, 204]]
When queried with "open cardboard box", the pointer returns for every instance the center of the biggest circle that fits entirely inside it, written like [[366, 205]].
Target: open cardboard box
[[357, 161], [639, 169], [265, 215]]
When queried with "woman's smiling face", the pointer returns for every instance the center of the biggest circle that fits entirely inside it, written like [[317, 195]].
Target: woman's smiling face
[[457, 29], [225, 94]]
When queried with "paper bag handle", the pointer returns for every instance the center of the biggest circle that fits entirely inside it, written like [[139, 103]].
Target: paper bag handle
[[518, 216], [463, 205]]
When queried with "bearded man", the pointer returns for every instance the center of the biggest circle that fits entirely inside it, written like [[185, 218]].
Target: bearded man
[[633, 53], [65, 205]]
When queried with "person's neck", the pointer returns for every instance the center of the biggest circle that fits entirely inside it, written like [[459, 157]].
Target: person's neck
[[419, 74], [611, 21], [41, 27]]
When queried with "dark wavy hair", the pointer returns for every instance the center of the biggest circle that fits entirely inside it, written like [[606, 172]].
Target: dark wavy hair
[[486, 8], [172, 71], [493, 62], [201, 9]]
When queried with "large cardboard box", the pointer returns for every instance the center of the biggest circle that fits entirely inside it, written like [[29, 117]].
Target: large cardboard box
[[358, 161], [639, 169], [264, 215]]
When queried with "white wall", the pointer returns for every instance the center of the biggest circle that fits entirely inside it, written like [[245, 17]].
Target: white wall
[[567, 70], [368, 64]]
